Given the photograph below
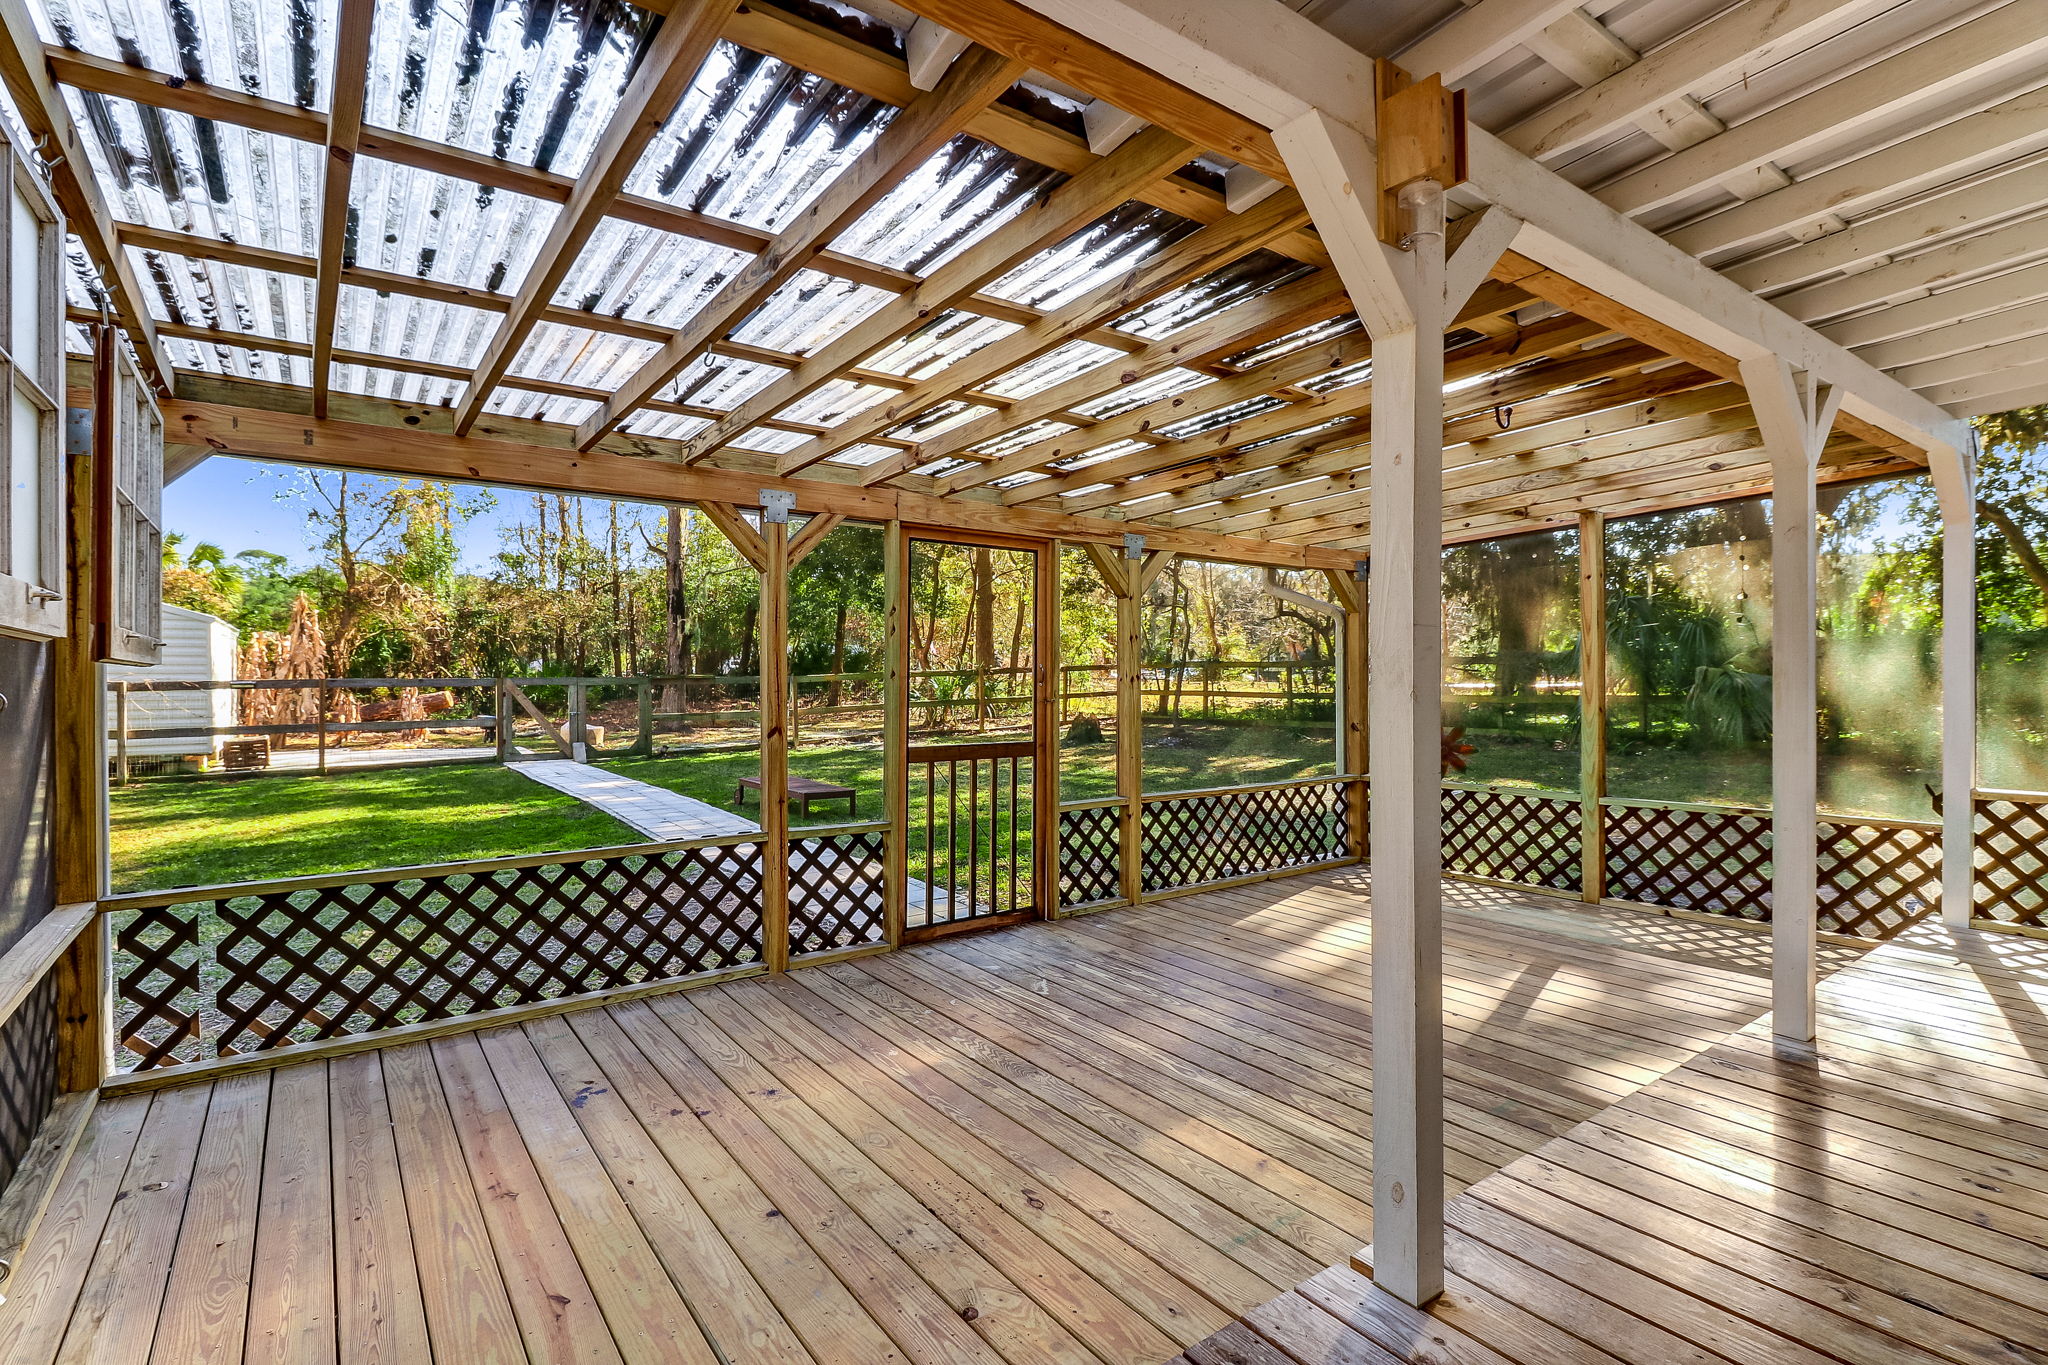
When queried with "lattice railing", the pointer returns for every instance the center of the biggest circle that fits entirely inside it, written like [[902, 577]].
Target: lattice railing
[[1191, 838], [1689, 858], [1877, 876], [1531, 838], [28, 1073], [2011, 876], [838, 893], [243, 969], [1091, 853]]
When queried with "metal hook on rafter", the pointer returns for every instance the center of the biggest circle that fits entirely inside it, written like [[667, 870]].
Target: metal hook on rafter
[[1504, 416]]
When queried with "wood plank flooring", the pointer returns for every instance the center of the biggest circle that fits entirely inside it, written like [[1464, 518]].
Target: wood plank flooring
[[1885, 1200], [1099, 1141]]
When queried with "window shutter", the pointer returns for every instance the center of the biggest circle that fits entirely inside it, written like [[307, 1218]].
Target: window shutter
[[134, 624], [32, 375]]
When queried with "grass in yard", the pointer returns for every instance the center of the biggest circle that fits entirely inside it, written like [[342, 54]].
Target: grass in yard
[[207, 831]]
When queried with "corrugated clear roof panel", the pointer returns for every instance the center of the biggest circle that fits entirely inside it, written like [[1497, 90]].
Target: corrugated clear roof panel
[[716, 381], [1328, 330], [238, 361], [646, 274], [82, 288], [416, 222], [671, 425], [1018, 438], [945, 340], [1104, 250], [863, 455], [374, 381], [1245, 278], [769, 440], [1124, 397], [1219, 417], [231, 298], [581, 356], [1108, 452], [408, 328], [833, 403], [940, 418], [755, 140], [1054, 367], [956, 198], [808, 311], [531, 81], [279, 49], [170, 170], [513, 401]]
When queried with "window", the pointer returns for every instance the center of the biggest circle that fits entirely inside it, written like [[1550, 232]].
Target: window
[[31, 528], [134, 606]]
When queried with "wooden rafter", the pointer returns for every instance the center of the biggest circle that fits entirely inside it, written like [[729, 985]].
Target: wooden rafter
[[1165, 270], [666, 69], [41, 109], [912, 137], [1096, 191], [350, 85]]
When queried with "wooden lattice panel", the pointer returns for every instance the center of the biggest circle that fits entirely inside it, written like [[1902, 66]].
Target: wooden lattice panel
[[838, 897], [244, 973], [1876, 879], [1518, 837], [1091, 854], [1709, 860], [2011, 877], [28, 1073], [1215, 836]]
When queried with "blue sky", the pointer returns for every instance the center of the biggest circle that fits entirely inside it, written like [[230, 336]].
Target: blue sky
[[236, 505]]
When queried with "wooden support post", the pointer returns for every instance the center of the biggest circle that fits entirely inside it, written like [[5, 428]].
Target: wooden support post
[[1405, 288], [1124, 575], [121, 730], [579, 721], [1045, 767], [896, 727], [320, 722], [78, 818], [643, 744], [1348, 590], [773, 620], [1592, 706], [502, 693], [1952, 481], [1794, 414]]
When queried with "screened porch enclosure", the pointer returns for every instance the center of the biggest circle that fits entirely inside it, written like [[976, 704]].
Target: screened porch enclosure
[[1436, 720]]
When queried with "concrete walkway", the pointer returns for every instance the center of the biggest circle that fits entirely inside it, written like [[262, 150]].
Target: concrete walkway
[[656, 812], [663, 815]]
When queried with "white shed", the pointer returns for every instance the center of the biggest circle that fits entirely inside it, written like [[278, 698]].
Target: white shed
[[197, 648]]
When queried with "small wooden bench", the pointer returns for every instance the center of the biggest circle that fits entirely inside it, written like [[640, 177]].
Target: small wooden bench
[[805, 790]]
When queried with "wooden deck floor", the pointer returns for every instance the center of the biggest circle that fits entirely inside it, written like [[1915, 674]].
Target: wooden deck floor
[[1885, 1201], [1097, 1141]]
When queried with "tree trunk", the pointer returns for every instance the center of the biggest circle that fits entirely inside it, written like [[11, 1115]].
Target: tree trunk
[[2022, 548], [984, 630], [675, 639], [834, 691]]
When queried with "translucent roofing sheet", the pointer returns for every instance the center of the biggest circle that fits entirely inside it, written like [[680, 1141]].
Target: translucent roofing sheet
[[1104, 250], [809, 310], [523, 80], [407, 328], [646, 274], [580, 356], [944, 341], [279, 49], [512, 401], [239, 361], [397, 385], [170, 170], [232, 298], [952, 201], [716, 381], [415, 222], [835, 402], [755, 139]]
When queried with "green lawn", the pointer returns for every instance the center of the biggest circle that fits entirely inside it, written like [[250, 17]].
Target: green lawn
[[197, 832]]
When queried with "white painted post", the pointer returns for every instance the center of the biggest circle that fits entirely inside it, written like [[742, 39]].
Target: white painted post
[[1404, 295], [1954, 483], [1794, 414]]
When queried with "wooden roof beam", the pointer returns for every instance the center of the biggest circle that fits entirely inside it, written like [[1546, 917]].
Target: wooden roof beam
[[42, 111], [662, 78], [350, 86], [925, 126], [1096, 191], [1167, 269], [1486, 30]]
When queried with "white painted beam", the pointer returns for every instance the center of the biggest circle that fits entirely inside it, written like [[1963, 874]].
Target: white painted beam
[[1264, 61], [1107, 126], [1956, 149], [2009, 37], [1938, 310], [1488, 30], [2014, 244], [928, 50], [1988, 329], [1965, 208], [1747, 37]]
